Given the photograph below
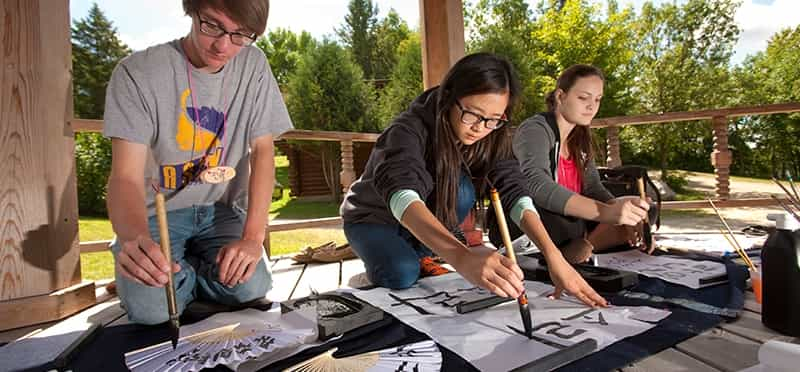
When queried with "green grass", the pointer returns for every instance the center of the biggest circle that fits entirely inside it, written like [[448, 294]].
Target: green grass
[[94, 228], [684, 212], [688, 194], [97, 265], [288, 242]]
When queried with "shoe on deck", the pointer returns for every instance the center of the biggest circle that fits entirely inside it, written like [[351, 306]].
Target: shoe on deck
[[429, 267]]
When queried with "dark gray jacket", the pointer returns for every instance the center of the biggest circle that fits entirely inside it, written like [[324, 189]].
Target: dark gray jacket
[[536, 146], [403, 158]]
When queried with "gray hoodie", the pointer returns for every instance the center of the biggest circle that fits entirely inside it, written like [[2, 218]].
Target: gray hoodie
[[536, 146]]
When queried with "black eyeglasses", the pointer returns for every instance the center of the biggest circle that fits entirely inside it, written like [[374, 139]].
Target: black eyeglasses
[[470, 118], [216, 31]]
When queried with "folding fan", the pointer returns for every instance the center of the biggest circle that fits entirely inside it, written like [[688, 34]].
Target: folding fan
[[420, 356], [229, 344]]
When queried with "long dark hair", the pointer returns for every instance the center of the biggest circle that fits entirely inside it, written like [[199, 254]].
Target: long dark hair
[[478, 73], [579, 142]]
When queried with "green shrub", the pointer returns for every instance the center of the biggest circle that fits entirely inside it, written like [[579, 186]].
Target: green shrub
[[93, 161]]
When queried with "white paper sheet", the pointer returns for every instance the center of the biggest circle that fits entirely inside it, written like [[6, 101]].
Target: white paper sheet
[[483, 337], [714, 244], [689, 273]]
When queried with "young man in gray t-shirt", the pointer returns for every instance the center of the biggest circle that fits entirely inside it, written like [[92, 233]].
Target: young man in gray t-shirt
[[195, 120]]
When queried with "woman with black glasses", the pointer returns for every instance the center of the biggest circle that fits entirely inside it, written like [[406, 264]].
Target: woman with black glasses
[[426, 172]]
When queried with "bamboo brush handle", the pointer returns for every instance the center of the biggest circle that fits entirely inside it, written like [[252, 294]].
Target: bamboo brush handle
[[163, 232], [502, 224]]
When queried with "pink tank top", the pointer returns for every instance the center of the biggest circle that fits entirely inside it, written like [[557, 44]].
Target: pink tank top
[[568, 175]]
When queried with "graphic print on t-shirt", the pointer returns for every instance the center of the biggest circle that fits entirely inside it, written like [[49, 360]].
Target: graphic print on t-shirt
[[197, 137]]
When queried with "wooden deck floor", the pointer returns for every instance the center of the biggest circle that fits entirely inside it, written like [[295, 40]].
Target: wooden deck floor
[[728, 347]]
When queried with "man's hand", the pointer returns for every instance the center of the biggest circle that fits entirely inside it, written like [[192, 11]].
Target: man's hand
[[565, 278], [237, 261], [141, 260]]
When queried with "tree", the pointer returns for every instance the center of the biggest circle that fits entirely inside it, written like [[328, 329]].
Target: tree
[[681, 52], [772, 76], [575, 32], [406, 81], [357, 33], [504, 27], [389, 33], [283, 49], [96, 50], [327, 92]]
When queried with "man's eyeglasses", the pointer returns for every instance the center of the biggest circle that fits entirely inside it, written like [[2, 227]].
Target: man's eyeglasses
[[216, 31], [470, 118]]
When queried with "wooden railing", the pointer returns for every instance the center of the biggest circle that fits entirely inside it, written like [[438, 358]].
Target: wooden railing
[[721, 157]]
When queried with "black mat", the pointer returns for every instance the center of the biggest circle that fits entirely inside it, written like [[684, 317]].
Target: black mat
[[107, 351]]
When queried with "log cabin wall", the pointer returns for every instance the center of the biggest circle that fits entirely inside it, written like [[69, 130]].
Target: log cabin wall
[[306, 178]]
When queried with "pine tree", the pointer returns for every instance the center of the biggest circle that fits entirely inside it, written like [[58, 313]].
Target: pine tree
[[96, 50], [358, 34]]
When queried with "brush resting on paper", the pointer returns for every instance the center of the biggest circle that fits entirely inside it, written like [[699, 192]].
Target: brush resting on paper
[[522, 300]]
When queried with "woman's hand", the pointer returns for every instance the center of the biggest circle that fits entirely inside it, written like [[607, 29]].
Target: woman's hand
[[490, 270], [565, 278], [624, 210]]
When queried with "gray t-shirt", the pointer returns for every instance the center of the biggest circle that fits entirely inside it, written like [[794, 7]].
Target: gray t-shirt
[[149, 101]]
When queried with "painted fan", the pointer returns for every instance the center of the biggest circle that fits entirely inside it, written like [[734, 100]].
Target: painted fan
[[420, 356], [230, 344]]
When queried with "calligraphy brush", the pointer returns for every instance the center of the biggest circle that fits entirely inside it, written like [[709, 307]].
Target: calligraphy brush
[[786, 208], [790, 197], [736, 246], [791, 183], [522, 300], [163, 231], [647, 235]]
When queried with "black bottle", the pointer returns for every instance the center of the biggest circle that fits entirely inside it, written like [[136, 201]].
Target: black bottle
[[780, 266]]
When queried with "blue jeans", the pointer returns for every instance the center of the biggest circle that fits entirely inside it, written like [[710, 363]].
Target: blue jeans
[[196, 235], [390, 252]]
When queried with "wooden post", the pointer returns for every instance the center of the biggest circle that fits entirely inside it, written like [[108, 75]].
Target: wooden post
[[612, 147], [348, 174], [721, 158], [442, 27], [40, 277]]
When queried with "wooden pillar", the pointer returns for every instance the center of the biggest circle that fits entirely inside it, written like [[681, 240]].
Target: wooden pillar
[[442, 28], [721, 157], [612, 147], [40, 277], [348, 173]]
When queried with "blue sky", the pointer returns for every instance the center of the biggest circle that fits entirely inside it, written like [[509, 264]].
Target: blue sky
[[142, 23]]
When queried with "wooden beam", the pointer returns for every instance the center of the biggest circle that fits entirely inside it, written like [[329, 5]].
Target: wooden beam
[[735, 203], [306, 224], [44, 308], [442, 28], [96, 126], [86, 125], [39, 208], [671, 117], [95, 246], [311, 135]]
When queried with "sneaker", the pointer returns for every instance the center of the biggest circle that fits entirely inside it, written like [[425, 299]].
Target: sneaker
[[429, 267]]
